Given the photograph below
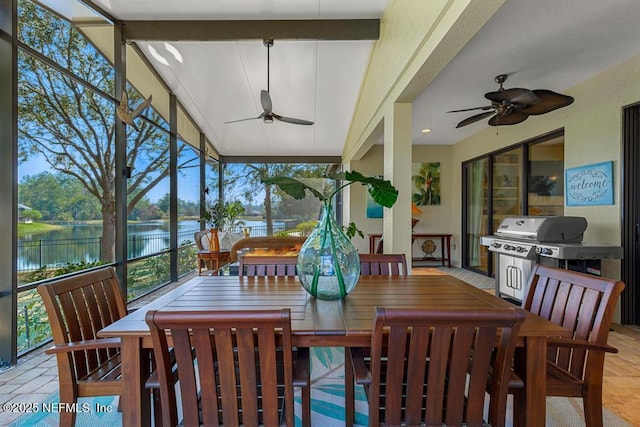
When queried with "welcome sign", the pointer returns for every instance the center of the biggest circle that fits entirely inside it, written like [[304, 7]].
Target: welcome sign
[[589, 185]]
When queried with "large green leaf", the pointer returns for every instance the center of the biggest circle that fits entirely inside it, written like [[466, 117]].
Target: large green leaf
[[293, 187], [382, 191]]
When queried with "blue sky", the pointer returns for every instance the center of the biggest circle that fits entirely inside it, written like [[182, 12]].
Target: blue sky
[[188, 186]]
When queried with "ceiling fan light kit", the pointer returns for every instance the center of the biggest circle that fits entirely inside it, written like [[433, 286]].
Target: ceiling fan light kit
[[515, 105], [267, 115]]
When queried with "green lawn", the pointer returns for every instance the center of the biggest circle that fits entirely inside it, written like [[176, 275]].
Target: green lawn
[[35, 227]]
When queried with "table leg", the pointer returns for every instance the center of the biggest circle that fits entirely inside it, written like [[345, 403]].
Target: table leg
[[349, 389], [136, 401], [448, 246], [535, 384]]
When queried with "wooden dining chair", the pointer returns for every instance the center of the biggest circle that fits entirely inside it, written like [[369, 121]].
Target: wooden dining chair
[[433, 367], [383, 265], [78, 307], [377, 264], [276, 265], [241, 361], [585, 304], [267, 265]]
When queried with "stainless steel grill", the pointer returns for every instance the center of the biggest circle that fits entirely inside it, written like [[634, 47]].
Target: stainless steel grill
[[521, 242]]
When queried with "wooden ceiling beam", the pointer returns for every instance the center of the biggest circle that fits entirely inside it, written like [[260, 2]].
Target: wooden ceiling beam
[[311, 29]]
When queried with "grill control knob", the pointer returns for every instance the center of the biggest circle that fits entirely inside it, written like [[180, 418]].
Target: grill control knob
[[545, 251], [509, 247], [496, 245], [521, 249]]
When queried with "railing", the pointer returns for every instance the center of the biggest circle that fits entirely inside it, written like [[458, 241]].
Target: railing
[[36, 254]]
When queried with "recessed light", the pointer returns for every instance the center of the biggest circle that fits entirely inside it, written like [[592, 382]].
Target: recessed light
[[426, 130]]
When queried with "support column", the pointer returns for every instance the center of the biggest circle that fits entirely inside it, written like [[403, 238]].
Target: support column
[[343, 214], [397, 169], [8, 181], [203, 181], [121, 172], [173, 187]]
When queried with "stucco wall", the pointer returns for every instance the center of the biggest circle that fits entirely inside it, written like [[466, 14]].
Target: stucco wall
[[434, 219]]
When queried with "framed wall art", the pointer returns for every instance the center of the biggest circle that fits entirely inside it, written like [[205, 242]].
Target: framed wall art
[[374, 210], [589, 185], [426, 183]]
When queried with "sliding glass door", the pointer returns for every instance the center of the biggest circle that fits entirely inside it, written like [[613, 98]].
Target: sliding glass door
[[524, 179]]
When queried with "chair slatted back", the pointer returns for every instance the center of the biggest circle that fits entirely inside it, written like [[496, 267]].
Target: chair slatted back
[[383, 265], [268, 266], [582, 303], [251, 349], [78, 307], [438, 363]]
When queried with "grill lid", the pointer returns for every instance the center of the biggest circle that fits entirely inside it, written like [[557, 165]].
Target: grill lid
[[549, 229]]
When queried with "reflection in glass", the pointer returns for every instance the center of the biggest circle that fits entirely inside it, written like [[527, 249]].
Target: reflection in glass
[[507, 186], [477, 178], [546, 177]]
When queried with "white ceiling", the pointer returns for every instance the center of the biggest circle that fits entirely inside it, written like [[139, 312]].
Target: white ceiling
[[542, 44], [221, 81]]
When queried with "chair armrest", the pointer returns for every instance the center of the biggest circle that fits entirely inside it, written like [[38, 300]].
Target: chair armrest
[[580, 344], [301, 374], [84, 345], [360, 371]]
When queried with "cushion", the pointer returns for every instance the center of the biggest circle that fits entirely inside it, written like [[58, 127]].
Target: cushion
[[204, 240], [226, 240]]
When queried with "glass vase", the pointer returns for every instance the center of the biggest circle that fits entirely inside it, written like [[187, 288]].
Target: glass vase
[[328, 263]]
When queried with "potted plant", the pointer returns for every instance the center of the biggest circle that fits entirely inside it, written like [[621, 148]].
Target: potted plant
[[222, 216], [328, 263]]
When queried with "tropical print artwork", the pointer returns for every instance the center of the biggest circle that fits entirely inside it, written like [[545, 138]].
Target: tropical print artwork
[[426, 183]]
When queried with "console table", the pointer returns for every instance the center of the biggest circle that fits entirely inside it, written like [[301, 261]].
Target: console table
[[445, 246]]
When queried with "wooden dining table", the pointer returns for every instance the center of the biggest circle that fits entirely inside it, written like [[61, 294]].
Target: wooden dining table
[[318, 323]]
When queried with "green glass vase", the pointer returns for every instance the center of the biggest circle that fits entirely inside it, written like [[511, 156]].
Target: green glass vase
[[328, 263]]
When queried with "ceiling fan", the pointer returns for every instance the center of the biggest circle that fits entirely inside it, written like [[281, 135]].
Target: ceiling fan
[[268, 115], [513, 106]]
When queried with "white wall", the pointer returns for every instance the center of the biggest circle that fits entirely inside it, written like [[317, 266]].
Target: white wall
[[434, 219]]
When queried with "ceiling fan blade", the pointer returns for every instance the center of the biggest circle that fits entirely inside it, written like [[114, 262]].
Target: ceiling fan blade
[[549, 101], [474, 119], [486, 107], [515, 95], [291, 120], [248, 118], [511, 118], [265, 100]]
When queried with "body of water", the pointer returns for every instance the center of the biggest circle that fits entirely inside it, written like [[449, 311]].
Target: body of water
[[74, 243]]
